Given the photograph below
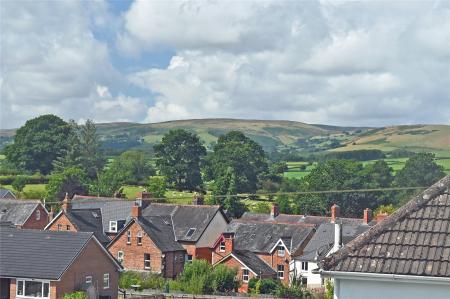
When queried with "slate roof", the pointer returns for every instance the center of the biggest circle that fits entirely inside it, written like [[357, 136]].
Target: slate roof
[[17, 211], [185, 217], [5, 193], [38, 254], [292, 219], [160, 230], [323, 239], [252, 261], [112, 209], [88, 220], [415, 240], [262, 236]]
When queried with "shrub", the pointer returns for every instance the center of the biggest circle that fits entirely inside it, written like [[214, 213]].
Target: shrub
[[19, 183], [224, 281], [252, 285], [329, 289], [76, 295], [152, 281], [129, 278], [268, 286], [197, 278]]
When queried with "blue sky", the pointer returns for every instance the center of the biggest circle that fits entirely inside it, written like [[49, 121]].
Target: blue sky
[[368, 63]]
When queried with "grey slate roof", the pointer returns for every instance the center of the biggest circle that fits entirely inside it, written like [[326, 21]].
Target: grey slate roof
[[253, 262], [17, 211], [38, 254], [88, 220], [112, 209], [5, 193], [160, 230], [262, 236], [184, 217], [323, 239], [415, 240]]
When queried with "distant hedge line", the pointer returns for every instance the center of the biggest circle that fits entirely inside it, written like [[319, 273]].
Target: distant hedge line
[[30, 179]]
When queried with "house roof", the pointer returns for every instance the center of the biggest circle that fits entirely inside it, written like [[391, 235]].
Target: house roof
[[184, 218], [262, 236], [17, 211], [412, 241], [88, 220], [5, 193], [323, 239], [38, 254], [251, 261], [160, 230]]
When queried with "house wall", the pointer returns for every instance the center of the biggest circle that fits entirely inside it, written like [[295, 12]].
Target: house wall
[[314, 280], [373, 289], [64, 222], [213, 231], [273, 260], [33, 223], [233, 263]]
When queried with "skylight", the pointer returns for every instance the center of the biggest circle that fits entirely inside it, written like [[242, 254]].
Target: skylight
[[190, 232]]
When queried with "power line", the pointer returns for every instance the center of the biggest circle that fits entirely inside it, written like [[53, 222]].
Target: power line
[[247, 195]]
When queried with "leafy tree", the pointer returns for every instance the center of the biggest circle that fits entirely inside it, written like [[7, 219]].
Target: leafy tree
[[243, 156], [19, 183], [157, 186], [284, 204], [72, 181], [178, 158], [38, 143], [70, 156], [224, 279], [196, 277], [261, 207], [224, 193], [135, 165], [92, 159], [109, 182]]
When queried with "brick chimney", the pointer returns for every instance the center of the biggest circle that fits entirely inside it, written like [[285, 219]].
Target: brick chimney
[[381, 216], [274, 210], [66, 203], [144, 194], [197, 199], [367, 215], [51, 214], [229, 241], [136, 210], [335, 212]]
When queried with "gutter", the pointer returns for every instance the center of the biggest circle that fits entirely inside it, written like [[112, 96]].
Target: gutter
[[383, 277]]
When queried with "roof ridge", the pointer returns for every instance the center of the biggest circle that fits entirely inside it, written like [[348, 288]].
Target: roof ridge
[[302, 224], [410, 207]]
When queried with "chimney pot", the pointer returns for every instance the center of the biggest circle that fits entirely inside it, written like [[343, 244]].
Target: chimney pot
[[66, 203], [367, 215], [335, 212], [275, 210]]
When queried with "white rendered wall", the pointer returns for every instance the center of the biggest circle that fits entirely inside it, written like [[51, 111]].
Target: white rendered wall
[[314, 280]]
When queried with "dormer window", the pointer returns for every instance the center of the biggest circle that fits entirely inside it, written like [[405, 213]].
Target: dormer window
[[222, 246], [113, 226], [38, 215], [280, 249], [190, 232]]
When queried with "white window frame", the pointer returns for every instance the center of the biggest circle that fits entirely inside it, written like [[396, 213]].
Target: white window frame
[[188, 258], [279, 271], [222, 246], [38, 215], [24, 280], [113, 226], [245, 275], [129, 237], [147, 261], [88, 280], [305, 266], [120, 256], [139, 238], [281, 251], [106, 281]]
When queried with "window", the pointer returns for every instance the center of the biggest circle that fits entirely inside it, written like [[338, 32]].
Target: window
[[113, 226], [59, 227], [120, 256], [190, 232], [304, 281], [38, 215], [139, 238], [280, 250], [147, 261], [88, 280], [188, 258], [280, 271], [106, 281], [222, 246], [304, 266], [245, 275], [67, 227], [129, 237], [36, 289]]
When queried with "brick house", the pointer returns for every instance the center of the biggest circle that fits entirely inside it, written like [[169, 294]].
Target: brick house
[[48, 264], [23, 213], [7, 194], [273, 244], [148, 244]]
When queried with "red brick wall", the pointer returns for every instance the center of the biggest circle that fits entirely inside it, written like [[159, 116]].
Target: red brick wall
[[32, 223], [273, 260], [204, 253], [64, 222], [233, 263]]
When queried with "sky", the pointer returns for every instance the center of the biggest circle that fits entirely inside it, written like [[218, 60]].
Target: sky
[[367, 63]]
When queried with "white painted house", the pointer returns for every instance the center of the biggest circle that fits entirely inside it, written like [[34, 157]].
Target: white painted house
[[405, 256]]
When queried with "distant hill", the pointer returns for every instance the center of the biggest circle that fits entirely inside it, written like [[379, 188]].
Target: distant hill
[[272, 134]]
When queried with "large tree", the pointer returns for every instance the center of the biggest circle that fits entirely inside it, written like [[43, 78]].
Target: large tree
[[39, 142], [135, 164], [242, 156], [178, 158], [71, 181]]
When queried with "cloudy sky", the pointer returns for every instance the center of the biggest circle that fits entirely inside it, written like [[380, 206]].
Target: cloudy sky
[[342, 63]]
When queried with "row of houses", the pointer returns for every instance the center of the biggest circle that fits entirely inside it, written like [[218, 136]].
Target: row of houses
[[405, 253]]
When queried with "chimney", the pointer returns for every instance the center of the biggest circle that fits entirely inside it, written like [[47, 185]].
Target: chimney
[[136, 210], [66, 204], [229, 241], [275, 210], [367, 215], [144, 194], [381, 216], [197, 199], [337, 237], [51, 214], [335, 212]]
